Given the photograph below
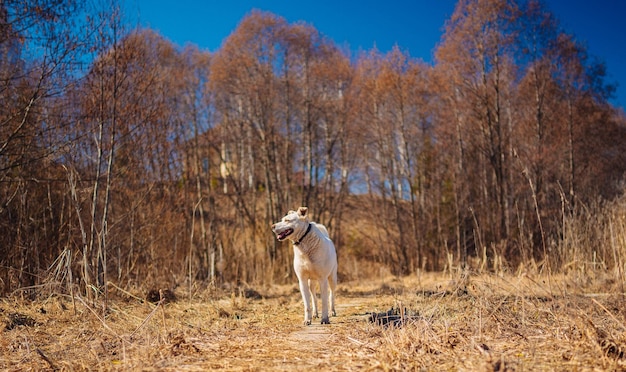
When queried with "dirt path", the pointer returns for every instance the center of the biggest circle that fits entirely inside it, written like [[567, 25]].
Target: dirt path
[[323, 346], [349, 311]]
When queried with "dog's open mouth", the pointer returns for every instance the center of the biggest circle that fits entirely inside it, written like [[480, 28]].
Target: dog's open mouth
[[284, 234]]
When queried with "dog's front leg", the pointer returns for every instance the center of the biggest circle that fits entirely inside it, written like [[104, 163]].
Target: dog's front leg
[[324, 295], [306, 298], [313, 299]]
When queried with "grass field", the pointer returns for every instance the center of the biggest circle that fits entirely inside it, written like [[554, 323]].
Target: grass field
[[448, 323]]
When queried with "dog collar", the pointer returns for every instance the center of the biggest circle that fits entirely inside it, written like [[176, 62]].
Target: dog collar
[[305, 234]]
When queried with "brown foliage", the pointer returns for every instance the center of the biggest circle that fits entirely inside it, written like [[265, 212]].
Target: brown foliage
[[164, 166]]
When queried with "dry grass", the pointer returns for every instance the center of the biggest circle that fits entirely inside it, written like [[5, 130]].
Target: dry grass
[[477, 323]]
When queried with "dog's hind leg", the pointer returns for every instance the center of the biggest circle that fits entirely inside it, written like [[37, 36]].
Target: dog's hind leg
[[313, 299], [325, 297]]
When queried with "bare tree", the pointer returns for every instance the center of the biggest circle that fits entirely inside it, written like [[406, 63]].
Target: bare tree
[[42, 45]]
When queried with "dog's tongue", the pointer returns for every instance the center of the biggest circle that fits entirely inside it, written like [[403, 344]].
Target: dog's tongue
[[284, 234]]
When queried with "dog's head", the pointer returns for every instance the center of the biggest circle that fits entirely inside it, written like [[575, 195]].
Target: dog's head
[[294, 221]]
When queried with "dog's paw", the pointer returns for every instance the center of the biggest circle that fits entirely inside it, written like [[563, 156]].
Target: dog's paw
[[334, 313], [307, 322], [325, 321]]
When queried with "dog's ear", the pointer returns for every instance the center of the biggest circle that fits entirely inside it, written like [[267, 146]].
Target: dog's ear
[[302, 211]]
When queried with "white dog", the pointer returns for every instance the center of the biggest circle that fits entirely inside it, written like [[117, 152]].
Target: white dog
[[314, 259]]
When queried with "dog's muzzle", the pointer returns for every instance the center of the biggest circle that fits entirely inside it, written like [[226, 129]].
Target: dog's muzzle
[[283, 234]]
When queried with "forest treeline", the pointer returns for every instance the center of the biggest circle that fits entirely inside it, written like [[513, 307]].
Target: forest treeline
[[128, 160]]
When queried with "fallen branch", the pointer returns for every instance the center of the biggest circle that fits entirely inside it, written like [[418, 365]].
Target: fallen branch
[[44, 357]]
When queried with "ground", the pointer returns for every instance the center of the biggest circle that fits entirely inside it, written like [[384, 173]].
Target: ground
[[457, 322]]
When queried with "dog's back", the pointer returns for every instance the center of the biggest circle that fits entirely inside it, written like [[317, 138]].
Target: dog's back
[[322, 229]]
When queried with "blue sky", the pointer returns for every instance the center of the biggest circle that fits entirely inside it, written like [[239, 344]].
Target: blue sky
[[414, 25]]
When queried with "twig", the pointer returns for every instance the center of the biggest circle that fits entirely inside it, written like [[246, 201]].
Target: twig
[[125, 292], [162, 298], [160, 303], [610, 314], [526, 173], [97, 316], [44, 357], [360, 343]]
